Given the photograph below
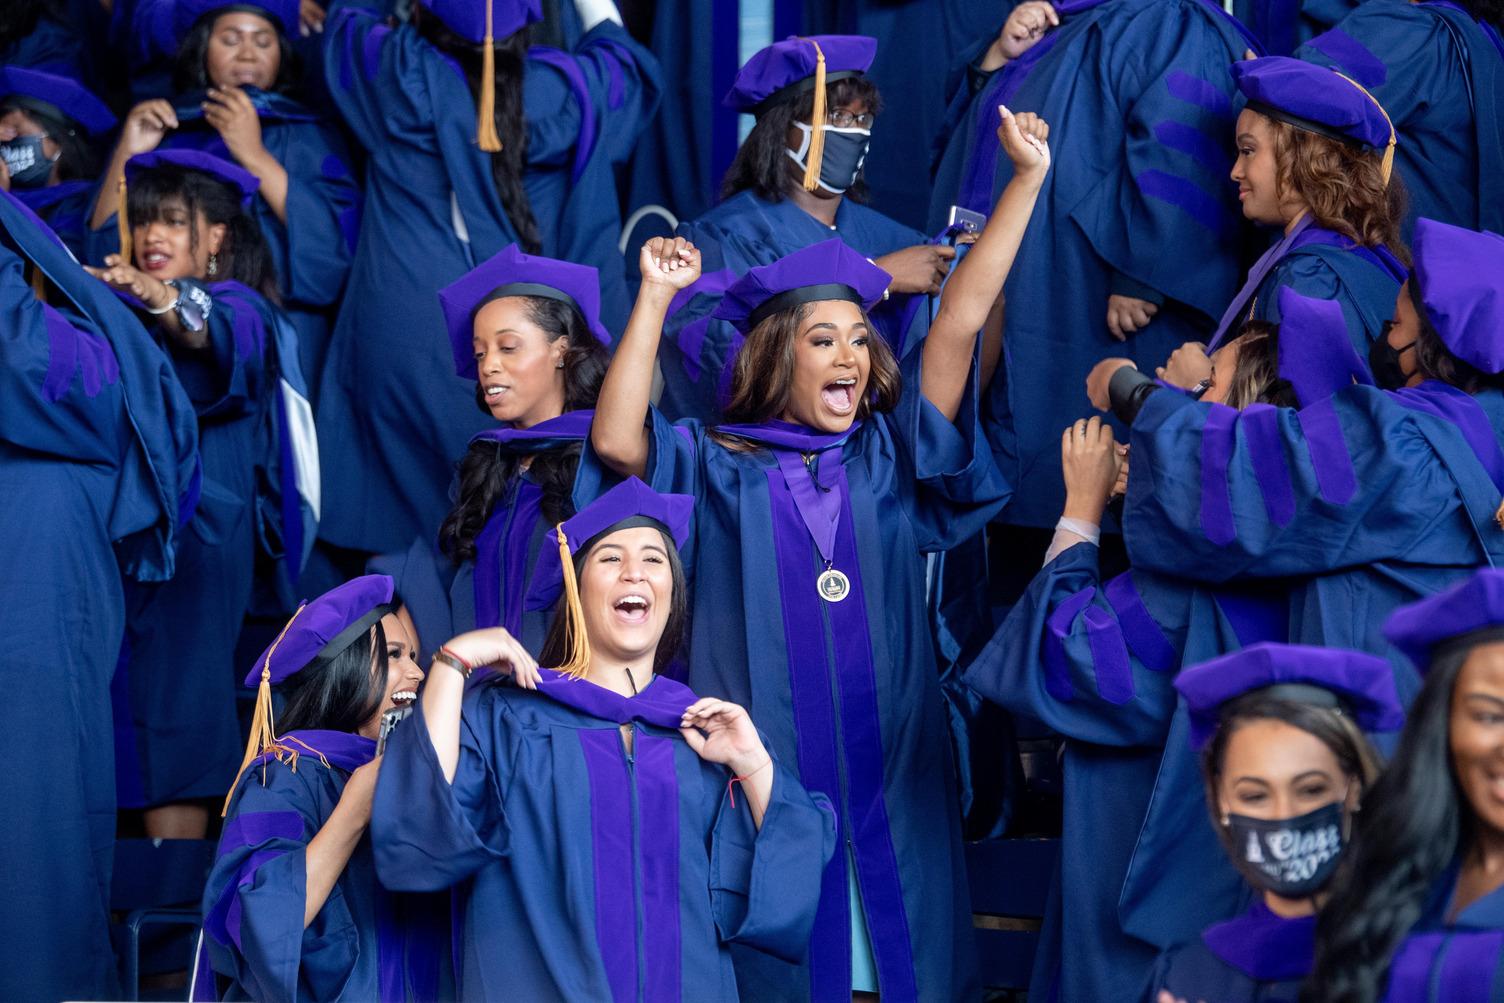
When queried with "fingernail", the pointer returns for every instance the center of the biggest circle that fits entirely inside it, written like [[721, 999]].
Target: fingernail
[[1002, 110]]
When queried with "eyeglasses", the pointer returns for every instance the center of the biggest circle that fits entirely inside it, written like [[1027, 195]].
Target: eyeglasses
[[843, 119]]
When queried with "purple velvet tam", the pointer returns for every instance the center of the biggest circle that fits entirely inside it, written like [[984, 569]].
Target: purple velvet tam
[[1314, 98], [513, 273], [282, 13], [1315, 353], [323, 628], [828, 270], [195, 160], [788, 67], [1471, 607], [1361, 684], [1461, 275], [60, 97], [467, 18], [631, 503]]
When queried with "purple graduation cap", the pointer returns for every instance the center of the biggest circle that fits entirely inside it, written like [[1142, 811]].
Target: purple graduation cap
[[1360, 684], [1468, 613], [467, 18], [282, 13], [53, 97], [1315, 353], [513, 273], [828, 270], [791, 66], [1461, 276], [196, 160], [321, 629], [1317, 99]]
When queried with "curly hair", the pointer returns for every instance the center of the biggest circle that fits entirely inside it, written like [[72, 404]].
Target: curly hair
[[1342, 186]]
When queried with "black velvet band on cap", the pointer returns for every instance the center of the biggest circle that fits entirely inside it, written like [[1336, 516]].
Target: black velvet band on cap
[[1310, 125], [346, 637], [801, 87], [800, 296]]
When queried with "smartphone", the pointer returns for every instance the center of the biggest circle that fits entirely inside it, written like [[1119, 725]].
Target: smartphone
[[963, 221], [389, 722]]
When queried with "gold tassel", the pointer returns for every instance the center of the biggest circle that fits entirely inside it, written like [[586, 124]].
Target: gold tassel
[[1499, 515], [817, 124], [39, 284], [576, 639], [485, 105], [263, 733], [123, 223], [1386, 167]]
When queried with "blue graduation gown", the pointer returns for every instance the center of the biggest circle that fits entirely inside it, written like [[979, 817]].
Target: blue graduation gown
[[392, 413], [98, 453], [847, 692], [365, 943], [178, 667], [743, 232], [584, 872], [1440, 76], [1448, 958], [1140, 866], [1136, 203], [1256, 958], [1284, 24], [64, 207], [1375, 498]]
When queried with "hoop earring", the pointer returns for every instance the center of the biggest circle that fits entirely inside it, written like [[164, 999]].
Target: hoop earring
[[213, 264]]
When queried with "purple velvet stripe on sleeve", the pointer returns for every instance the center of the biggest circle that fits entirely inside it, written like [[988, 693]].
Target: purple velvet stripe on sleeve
[[256, 827], [614, 55], [1193, 142], [223, 920], [1352, 57], [1057, 672], [814, 728], [370, 50], [570, 69], [1410, 973], [611, 841], [1201, 93], [1267, 454], [1335, 477], [526, 511], [1218, 437], [62, 355], [1468, 966], [658, 800], [1140, 631], [1187, 196], [862, 742], [1109, 656]]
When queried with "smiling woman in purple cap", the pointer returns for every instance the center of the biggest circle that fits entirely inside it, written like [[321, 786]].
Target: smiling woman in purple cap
[[1286, 766], [835, 471], [198, 274], [292, 908], [1419, 914], [589, 810]]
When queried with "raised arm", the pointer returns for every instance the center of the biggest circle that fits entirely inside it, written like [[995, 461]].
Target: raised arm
[[618, 434], [973, 290]]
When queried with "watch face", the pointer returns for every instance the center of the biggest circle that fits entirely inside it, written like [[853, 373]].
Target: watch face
[[194, 305]]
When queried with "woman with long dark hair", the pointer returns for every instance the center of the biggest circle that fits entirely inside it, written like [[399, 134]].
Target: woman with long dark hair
[[1286, 763], [1417, 910], [475, 142], [233, 97], [200, 277], [292, 908], [527, 330], [590, 808]]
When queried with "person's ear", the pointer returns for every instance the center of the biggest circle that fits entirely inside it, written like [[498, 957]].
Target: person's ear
[[216, 236]]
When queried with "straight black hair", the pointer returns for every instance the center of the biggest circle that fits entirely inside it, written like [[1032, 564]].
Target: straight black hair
[[342, 695], [191, 72]]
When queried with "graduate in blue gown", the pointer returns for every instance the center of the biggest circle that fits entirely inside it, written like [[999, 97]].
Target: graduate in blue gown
[[782, 193], [1094, 658], [199, 274], [853, 468], [1140, 215], [292, 908], [527, 330], [437, 205], [233, 98], [49, 130], [1376, 497], [608, 835], [1418, 914], [98, 455], [1280, 729], [1438, 70]]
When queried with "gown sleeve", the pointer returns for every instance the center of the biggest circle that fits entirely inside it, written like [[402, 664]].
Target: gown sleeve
[[229, 378], [1217, 494], [765, 883], [1312, 277], [673, 465], [429, 834], [624, 84], [257, 891], [323, 217], [1089, 660], [354, 35]]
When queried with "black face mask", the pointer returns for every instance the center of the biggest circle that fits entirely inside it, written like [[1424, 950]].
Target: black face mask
[[1291, 857], [28, 165], [1384, 362], [845, 152]]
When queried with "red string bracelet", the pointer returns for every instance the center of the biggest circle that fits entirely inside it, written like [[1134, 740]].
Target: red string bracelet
[[731, 784]]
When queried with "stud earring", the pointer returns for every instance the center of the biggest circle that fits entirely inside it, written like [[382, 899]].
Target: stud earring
[[213, 264]]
